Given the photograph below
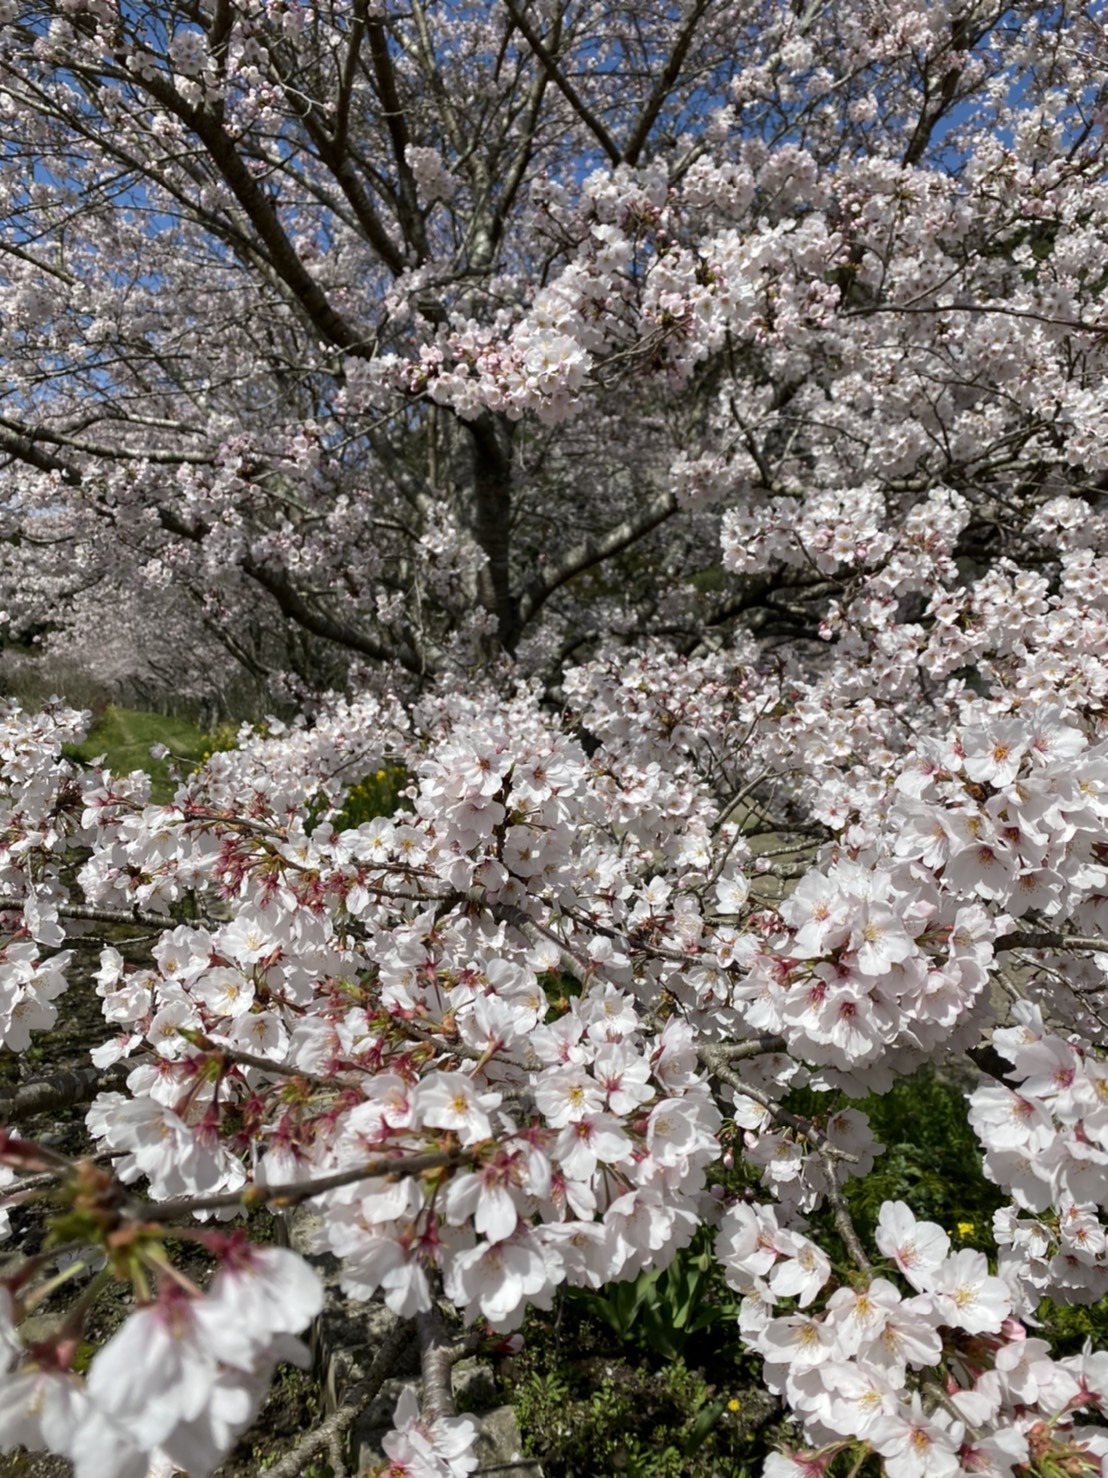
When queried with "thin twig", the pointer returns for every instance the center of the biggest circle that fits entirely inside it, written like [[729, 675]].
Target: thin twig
[[208, 1047], [571, 962], [941, 1398], [716, 1063], [17, 1190], [438, 1039], [755, 1047]]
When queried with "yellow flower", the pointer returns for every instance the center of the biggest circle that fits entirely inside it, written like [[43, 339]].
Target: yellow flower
[[734, 1404], [966, 1228]]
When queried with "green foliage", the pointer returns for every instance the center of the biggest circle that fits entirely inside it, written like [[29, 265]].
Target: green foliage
[[611, 1385], [1068, 1327], [932, 1161], [663, 1311], [709, 581], [125, 736], [378, 794], [646, 1378], [223, 737], [594, 1416], [932, 1158]]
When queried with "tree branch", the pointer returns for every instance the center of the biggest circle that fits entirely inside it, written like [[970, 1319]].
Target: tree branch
[[163, 455], [336, 1426], [715, 1060], [411, 219], [262, 214], [291, 1193], [1050, 939], [436, 1361], [665, 81], [841, 1213], [592, 551], [98, 915], [59, 1090], [21, 446], [562, 83]]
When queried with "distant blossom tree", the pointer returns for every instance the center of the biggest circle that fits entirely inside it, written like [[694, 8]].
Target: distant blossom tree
[[673, 427]]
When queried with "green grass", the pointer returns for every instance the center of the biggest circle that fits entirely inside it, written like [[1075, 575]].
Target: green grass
[[125, 735]]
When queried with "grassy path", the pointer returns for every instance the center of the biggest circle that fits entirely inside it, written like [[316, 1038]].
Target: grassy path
[[125, 736]]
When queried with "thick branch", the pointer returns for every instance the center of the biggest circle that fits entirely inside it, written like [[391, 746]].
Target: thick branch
[[58, 1091], [163, 455], [1050, 939], [436, 1361], [756, 1047], [292, 604], [563, 84], [263, 216], [593, 551], [962, 40], [665, 81], [97, 915], [492, 490], [21, 446], [294, 1463], [411, 220]]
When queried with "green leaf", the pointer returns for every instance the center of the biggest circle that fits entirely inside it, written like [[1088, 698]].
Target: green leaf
[[702, 1426]]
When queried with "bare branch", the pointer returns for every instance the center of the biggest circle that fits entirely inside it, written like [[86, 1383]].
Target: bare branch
[[59, 1090], [21, 446], [164, 455], [562, 83], [336, 1426], [95, 914], [663, 84], [291, 1193], [841, 1213], [1049, 939], [435, 1365], [592, 551], [756, 1047], [716, 1061]]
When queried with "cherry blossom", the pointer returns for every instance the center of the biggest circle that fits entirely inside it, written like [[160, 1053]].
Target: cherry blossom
[[687, 481]]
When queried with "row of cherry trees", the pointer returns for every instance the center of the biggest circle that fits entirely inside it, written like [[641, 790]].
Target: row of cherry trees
[[444, 334], [679, 432]]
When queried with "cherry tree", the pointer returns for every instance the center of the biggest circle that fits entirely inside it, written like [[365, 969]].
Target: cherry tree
[[445, 336], [681, 429]]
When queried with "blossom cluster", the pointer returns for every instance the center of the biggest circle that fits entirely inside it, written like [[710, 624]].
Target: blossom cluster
[[1046, 1143], [177, 1384], [766, 384], [482, 1035], [866, 1367]]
